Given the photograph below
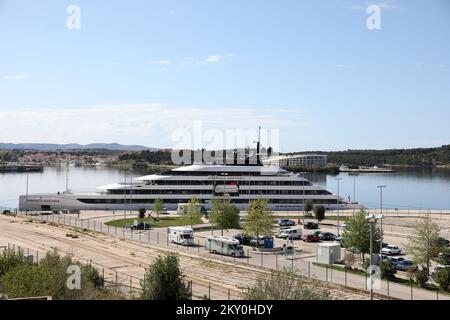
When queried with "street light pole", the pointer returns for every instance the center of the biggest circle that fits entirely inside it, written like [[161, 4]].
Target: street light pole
[[371, 220], [354, 188], [371, 260], [125, 198], [381, 187], [28, 204], [338, 204]]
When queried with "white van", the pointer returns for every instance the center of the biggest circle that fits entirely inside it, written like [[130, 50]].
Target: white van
[[291, 234], [181, 235], [224, 245]]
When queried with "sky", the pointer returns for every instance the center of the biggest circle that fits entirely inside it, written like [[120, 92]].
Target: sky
[[311, 73]]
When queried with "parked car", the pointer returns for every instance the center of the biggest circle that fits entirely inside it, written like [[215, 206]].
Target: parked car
[[444, 257], [243, 239], [405, 265], [311, 225], [327, 236], [391, 250], [257, 242], [440, 267], [6, 212], [311, 238], [443, 242], [394, 260], [141, 226], [286, 223], [291, 234], [339, 240]]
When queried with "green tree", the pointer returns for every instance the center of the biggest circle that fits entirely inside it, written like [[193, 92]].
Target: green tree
[[165, 281], [191, 213], [442, 277], [224, 214], [158, 206], [319, 213], [423, 243], [259, 220], [387, 269], [286, 284], [309, 206], [142, 212], [356, 235], [421, 276]]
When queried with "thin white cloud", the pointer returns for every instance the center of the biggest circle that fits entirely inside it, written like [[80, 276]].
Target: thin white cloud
[[159, 62], [213, 58], [15, 77], [150, 124]]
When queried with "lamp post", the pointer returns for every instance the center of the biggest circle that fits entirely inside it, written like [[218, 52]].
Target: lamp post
[[28, 204], [125, 198], [131, 190], [372, 219], [338, 204], [381, 187]]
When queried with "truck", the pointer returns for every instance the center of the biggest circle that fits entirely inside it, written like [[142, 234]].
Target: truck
[[291, 234], [224, 245], [181, 235], [182, 208]]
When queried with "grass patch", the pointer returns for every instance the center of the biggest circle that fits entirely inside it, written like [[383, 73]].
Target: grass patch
[[163, 222]]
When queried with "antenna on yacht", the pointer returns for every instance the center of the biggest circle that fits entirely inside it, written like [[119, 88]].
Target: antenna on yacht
[[258, 145]]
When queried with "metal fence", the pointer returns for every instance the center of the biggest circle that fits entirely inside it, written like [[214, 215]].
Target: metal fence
[[253, 257]]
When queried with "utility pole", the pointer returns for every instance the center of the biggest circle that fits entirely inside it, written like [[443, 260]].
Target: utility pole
[[67, 177], [381, 187], [338, 204], [354, 188], [28, 204], [125, 198]]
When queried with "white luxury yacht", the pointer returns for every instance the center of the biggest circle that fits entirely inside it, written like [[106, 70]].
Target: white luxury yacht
[[241, 183]]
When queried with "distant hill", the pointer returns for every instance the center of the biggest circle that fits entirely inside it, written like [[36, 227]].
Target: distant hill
[[72, 146], [413, 157]]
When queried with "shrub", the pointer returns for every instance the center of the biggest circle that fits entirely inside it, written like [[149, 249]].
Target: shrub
[[286, 285], [443, 278], [142, 212], [421, 276], [165, 281], [387, 269]]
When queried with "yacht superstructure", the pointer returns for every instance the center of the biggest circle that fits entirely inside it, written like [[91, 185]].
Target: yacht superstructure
[[241, 183]]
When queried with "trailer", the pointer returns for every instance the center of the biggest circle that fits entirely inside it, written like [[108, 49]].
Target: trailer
[[181, 235], [224, 245]]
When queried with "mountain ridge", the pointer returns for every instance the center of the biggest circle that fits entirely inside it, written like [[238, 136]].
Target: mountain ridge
[[72, 146]]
